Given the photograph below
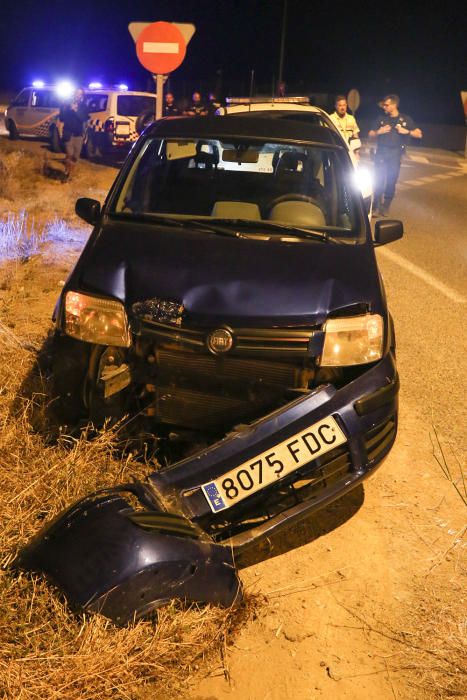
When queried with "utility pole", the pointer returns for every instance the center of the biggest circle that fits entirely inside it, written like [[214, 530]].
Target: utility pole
[[281, 55]]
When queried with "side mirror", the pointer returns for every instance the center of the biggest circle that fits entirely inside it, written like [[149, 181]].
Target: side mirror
[[388, 231], [88, 209]]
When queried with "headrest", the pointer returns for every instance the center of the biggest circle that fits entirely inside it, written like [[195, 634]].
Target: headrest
[[235, 210]]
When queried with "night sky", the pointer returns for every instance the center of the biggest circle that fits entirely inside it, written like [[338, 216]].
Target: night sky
[[330, 47]]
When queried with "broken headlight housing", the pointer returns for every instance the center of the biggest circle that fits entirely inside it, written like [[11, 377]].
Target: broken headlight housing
[[96, 320], [352, 340]]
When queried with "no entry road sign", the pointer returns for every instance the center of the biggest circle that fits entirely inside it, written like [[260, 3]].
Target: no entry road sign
[[160, 47]]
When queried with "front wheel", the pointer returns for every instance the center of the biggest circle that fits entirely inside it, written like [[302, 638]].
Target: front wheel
[[70, 360], [90, 147], [12, 130]]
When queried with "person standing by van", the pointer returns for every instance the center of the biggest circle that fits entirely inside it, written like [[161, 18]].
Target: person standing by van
[[346, 123], [74, 115]]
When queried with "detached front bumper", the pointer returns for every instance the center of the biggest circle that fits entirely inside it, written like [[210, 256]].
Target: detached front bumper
[[124, 556], [365, 410]]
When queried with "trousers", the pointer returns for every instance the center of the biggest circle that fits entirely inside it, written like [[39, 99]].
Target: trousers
[[387, 168]]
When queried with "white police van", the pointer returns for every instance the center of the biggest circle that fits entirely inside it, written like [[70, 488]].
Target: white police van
[[113, 114], [299, 108]]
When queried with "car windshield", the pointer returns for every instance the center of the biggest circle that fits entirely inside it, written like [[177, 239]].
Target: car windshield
[[306, 186]]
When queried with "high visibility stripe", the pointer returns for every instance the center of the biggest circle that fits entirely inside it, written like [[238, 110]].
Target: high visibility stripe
[[160, 47]]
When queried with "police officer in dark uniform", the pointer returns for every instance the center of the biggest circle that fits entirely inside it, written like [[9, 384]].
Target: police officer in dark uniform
[[393, 131], [170, 108]]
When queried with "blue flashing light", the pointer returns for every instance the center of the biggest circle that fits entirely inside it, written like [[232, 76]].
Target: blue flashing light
[[122, 86], [38, 84], [95, 86]]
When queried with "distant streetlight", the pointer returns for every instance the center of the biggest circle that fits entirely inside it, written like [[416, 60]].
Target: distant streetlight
[[281, 55]]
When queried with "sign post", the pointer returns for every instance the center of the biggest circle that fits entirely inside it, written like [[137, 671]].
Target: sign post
[[160, 48]]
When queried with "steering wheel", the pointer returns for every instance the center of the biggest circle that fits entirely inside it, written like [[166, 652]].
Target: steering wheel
[[293, 197]]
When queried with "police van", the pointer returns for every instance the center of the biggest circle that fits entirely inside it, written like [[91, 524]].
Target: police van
[[299, 109], [113, 114]]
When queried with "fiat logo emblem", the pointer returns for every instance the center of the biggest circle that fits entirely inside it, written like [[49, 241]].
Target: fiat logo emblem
[[219, 341]]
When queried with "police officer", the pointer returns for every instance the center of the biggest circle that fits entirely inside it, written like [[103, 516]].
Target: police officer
[[197, 107], [170, 108], [392, 131]]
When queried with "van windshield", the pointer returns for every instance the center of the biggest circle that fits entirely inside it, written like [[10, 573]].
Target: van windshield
[[307, 186]]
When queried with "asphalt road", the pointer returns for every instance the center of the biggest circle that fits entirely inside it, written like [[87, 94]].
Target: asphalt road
[[426, 283]]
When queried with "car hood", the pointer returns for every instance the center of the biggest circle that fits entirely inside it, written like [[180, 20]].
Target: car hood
[[220, 279]]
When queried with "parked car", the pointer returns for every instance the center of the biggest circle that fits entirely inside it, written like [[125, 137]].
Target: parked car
[[34, 112], [229, 291], [113, 115]]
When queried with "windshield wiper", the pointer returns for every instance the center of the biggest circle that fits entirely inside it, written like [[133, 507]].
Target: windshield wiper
[[297, 231], [198, 224]]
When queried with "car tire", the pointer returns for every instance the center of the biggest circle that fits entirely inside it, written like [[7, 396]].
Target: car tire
[[69, 363], [90, 147], [54, 140], [12, 130], [102, 410]]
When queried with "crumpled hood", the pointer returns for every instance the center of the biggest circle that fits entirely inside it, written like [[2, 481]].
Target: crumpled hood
[[244, 282]]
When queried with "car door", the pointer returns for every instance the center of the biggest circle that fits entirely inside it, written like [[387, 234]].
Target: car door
[[18, 110], [44, 109]]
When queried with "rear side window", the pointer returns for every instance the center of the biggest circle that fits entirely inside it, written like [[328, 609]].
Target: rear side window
[[97, 102], [47, 99], [134, 105]]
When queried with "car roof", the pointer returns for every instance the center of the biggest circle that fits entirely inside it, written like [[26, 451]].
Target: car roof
[[276, 106], [99, 91], [244, 127]]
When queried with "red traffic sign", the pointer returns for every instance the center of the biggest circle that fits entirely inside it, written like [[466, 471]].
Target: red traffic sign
[[161, 47]]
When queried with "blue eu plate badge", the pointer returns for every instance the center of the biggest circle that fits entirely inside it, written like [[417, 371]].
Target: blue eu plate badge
[[212, 494]]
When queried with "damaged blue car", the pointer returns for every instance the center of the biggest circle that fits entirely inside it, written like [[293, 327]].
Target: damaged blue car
[[229, 293]]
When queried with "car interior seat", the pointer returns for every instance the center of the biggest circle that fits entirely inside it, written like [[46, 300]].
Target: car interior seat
[[235, 210]]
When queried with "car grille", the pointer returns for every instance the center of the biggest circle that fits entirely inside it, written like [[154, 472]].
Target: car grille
[[180, 364], [205, 391], [303, 485], [289, 342]]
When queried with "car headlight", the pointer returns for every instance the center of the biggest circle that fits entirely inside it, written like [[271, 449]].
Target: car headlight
[[96, 320], [364, 180], [354, 340]]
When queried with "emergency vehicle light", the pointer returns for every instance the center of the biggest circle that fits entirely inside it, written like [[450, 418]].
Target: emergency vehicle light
[[65, 89], [38, 84], [95, 86], [122, 86]]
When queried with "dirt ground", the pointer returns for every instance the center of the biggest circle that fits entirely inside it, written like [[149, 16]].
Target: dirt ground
[[364, 600]]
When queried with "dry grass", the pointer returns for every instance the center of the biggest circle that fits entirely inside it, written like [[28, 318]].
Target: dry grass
[[46, 651], [21, 237], [19, 172]]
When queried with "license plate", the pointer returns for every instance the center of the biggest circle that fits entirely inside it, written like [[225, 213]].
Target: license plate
[[273, 464]]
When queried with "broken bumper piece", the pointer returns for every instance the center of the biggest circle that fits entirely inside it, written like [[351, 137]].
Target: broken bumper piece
[[178, 541], [108, 558]]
